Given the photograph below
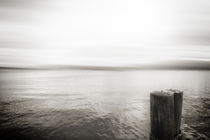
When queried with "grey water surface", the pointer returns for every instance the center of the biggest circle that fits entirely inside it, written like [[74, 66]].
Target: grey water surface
[[96, 105]]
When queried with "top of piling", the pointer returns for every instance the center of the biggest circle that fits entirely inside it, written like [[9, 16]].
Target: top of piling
[[174, 90], [162, 93]]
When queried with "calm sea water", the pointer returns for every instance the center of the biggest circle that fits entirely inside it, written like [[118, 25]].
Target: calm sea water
[[104, 105]]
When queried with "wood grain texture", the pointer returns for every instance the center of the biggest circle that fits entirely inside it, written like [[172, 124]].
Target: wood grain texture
[[162, 115]]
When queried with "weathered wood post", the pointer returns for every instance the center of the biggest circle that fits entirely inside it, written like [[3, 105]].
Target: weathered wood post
[[178, 99], [165, 111], [162, 115]]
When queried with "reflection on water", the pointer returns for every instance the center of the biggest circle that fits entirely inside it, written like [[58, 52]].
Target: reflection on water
[[84, 104]]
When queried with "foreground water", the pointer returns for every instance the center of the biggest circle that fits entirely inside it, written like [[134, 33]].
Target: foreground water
[[106, 105]]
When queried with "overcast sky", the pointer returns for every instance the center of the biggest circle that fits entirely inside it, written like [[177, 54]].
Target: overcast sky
[[103, 32]]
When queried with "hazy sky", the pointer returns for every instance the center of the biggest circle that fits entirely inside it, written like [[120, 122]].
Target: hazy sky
[[103, 32]]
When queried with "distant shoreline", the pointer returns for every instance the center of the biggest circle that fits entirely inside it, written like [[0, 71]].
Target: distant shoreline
[[171, 65]]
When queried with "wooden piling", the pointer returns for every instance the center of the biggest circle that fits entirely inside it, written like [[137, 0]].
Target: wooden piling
[[178, 99], [165, 110], [162, 115]]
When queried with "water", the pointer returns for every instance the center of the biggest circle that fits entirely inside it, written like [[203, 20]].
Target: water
[[105, 105]]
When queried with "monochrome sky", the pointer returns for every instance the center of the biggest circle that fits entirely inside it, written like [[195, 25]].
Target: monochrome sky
[[103, 32]]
